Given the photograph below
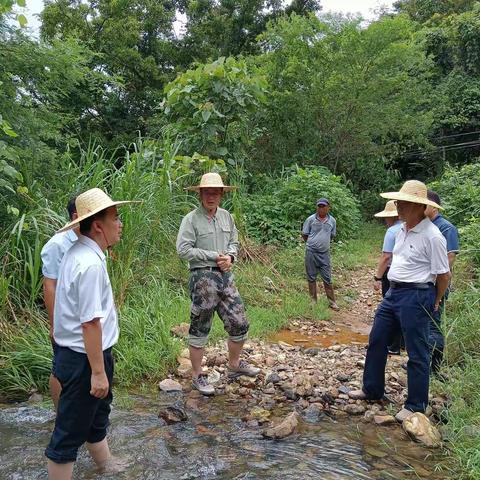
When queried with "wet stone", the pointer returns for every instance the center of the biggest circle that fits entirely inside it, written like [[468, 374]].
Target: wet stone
[[173, 415]]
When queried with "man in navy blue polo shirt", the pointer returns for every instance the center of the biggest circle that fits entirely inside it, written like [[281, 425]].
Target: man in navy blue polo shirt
[[318, 232], [450, 232]]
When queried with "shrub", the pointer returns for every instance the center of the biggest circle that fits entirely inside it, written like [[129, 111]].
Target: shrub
[[277, 215], [459, 189]]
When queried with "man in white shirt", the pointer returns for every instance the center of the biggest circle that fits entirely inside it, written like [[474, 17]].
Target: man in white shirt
[[52, 254], [85, 330], [419, 275]]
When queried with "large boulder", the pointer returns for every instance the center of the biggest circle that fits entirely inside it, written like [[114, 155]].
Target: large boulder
[[418, 426]]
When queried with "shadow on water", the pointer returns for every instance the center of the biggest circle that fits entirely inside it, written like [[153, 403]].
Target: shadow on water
[[215, 444]]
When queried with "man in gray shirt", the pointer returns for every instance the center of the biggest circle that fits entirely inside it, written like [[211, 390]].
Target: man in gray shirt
[[318, 232], [208, 239]]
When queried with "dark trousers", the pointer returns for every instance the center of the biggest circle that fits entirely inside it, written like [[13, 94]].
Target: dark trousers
[[81, 417], [396, 342], [411, 310], [436, 340]]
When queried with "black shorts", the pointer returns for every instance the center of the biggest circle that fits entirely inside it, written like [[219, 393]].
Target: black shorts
[[81, 417]]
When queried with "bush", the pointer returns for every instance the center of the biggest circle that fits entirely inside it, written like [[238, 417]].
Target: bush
[[459, 189], [277, 215]]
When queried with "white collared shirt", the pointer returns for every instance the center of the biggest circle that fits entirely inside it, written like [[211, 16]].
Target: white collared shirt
[[83, 293], [419, 255], [53, 252]]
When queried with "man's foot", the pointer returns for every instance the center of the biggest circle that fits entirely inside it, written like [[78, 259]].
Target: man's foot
[[403, 414], [202, 385], [243, 369], [357, 395], [334, 306]]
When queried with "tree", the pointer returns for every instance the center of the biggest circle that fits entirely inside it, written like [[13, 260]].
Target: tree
[[222, 28], [133, 42], [349, 98], [209, 107]]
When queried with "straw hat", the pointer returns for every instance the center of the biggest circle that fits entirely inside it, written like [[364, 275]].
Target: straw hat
[[91, 202], [411, 191], [211, 180], [390, 210]]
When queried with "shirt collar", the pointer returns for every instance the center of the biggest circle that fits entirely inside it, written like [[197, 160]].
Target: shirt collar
[[72, 236], [88, 242], [204, 211], [420, 226], [437, 217], [327, 217]]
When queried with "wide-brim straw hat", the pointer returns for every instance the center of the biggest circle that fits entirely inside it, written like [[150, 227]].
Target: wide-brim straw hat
[[412, 191], [91, 202], [211, 180], [390, 210]]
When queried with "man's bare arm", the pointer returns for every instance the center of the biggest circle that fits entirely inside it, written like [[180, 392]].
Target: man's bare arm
[[92, 337], [443, 279], [49, 288]]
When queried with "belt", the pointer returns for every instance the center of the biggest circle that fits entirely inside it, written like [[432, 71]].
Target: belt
[[420, 286], [211, 269]]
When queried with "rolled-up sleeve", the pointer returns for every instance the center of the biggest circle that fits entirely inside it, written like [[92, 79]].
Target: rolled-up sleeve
[[439, 258], [186, 240], [51, 255]]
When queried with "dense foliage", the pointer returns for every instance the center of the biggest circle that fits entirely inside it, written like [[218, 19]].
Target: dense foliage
[[277, 214]]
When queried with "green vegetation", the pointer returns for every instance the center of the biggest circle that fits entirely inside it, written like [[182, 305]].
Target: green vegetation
[[288, 104]]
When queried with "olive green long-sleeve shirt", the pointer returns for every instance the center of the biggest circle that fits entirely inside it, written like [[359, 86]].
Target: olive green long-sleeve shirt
[[201, 239]]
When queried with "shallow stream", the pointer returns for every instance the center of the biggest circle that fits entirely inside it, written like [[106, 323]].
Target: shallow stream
[[214, 443]]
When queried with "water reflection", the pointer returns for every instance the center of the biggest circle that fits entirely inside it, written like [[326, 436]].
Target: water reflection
[[215, 444]]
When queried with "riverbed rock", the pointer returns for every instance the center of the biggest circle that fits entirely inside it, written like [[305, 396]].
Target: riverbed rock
[[173, 414], [169, 385], [286, 427], [272, 378], [418, 426], [384, 419], [180, 330], [354, 409]]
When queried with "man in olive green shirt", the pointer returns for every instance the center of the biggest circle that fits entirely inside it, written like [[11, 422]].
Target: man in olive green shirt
[[208, 239]]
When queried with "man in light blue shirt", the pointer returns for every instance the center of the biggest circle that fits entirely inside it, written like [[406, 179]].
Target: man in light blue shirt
[[52, 255], [318, 231], [394, 224]]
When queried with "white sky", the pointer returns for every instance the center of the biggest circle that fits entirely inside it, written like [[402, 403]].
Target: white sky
[[364, 7]]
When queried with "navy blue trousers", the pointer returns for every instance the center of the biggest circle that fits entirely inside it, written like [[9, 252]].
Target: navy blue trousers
[[411, 309], [80, 417]]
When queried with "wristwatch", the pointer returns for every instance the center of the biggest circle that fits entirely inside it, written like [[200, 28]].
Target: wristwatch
[[377, 279]]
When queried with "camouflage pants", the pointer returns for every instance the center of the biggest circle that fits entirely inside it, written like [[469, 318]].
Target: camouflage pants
[[214, 291]]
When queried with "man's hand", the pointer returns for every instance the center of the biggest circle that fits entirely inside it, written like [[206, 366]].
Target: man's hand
[[377, 285], [99, 382], [224, 263]]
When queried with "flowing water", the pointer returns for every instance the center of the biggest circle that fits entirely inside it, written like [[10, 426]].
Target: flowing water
[[214, 443]]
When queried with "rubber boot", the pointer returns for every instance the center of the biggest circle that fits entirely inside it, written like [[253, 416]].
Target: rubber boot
[[331, 296], [312, 290]]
